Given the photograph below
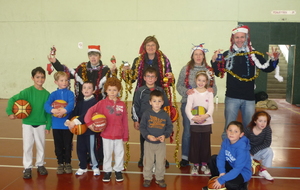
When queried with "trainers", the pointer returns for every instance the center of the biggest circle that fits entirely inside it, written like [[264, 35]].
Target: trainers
[[205, 169], [184, 163], [80, 171], [161, 183], [147, 183], [140, 163], [60, 169], [68, 168], [195, 170], [119, 176], [106, 177], [96, 171], [167, 164], [27, 173], [42, 170], [266, 175]]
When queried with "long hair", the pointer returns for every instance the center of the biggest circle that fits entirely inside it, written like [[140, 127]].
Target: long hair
[[255, 117]]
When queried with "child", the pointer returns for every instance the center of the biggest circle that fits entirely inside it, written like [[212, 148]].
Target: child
[[200, 125], [86, 141], [61, 134], [260, 135], [233, 164], [116, 130], [155, 126], [141, 104], [33, 127]]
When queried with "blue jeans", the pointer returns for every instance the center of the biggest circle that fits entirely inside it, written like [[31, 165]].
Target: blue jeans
[[186, 134], [232, 107], [266, 156]]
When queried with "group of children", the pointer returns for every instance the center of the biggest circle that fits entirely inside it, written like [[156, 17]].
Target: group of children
[[232, 165]]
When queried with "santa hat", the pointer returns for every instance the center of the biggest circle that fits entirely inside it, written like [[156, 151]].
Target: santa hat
[[241, 28], [94, 48], [200, 46]]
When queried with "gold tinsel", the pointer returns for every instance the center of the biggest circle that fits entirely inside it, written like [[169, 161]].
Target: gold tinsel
[[243, 79]]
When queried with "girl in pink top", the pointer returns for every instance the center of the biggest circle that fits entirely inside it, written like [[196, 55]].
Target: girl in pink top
[[200, 123]]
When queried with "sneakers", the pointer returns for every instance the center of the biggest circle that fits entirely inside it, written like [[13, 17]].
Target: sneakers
[[27, 173], [195, 170], [266, 175], [68, 168], [96, 171], [119, 176], [80, 171], [140, 163], [167, 164], [42, 170], [184, 163], [161, 183], [205, 169], [147, 183], [60, 169], [106, 177]]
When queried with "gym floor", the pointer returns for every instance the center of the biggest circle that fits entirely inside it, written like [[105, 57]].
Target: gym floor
[[285, 170]]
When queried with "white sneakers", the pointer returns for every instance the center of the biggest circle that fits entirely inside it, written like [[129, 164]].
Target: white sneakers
[[96, 171], [266, 175], [195, 170], [80, 171], [205, 169]]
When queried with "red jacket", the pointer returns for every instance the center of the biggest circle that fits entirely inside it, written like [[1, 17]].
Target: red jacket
[[116, 118]]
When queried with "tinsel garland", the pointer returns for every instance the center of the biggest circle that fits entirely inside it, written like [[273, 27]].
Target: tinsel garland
[[243, 79]]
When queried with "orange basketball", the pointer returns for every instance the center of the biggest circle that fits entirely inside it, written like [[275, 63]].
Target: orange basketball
[[59, 104], [255, 167], [21, 109], [99, 121], [78, 129], [211, 181], [172, 113]]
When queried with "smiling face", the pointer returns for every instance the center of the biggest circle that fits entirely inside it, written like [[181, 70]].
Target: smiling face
[[94, 58], [150, 79], [201, 81], [234, 133], [261, 122], [39, 80], [62, 82], [239, 39], [151, 48]]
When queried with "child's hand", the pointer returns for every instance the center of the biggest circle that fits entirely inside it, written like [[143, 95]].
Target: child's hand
[[47, 131], [91, 127], [12, 116], [55, 111], [136, 125], [151, 138], [71, 125], [161, 138], [217, 185]]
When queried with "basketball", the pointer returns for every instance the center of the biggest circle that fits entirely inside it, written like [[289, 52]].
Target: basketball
[[211, 183], [78, 129], [59, 104], [21, 109], [99, 121], [255, 167], [172, 113], [198, 110]]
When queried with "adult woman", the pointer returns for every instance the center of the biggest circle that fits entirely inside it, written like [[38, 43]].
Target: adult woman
[[185, 85]]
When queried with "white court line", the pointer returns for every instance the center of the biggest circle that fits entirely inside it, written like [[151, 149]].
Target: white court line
[[139, 173]]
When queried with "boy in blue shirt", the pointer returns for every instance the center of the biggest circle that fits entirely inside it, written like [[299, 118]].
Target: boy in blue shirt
[[61, 134]]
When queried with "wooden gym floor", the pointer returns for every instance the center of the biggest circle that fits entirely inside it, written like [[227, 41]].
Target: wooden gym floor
[[285, 170]]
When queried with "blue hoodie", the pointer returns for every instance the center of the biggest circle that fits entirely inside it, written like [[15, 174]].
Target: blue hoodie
[[238, 156]]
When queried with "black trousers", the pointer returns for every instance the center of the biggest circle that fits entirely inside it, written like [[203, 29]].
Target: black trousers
[[235, 184], [63, 145], [142, 141], [85, 150]]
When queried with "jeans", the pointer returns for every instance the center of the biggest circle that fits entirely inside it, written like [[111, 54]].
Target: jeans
[[186, 135], [266, 155], [232, 107]]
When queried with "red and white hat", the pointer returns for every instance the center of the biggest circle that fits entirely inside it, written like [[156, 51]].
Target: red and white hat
[[94, 48], [243, 29]]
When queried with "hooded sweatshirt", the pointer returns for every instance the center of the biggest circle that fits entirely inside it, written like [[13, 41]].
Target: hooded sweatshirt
[[238, 156]]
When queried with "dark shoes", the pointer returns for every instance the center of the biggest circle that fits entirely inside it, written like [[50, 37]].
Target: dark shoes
[[167, 164], [27, 173], [68, 168], [106, 177], [119, 176], [205, 188], [42, 170], [147, 183], [184, 163], [140, 163], [161, 183]]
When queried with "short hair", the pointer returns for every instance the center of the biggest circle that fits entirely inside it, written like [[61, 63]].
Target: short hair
[[238, 124], [202, 73], [156, 93], [150, 70], [38, 70], [255, 117], [151, 39], [60, 74], [112, 81], [89, 82], [94, 53]]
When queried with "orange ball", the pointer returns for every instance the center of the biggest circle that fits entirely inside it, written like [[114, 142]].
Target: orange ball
[[78, 129], [211, 181], [255, 167], [21, 109], [99, 121], [172, 112], [59, 104]]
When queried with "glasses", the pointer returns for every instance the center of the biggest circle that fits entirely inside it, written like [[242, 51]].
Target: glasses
[[150, 77]]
